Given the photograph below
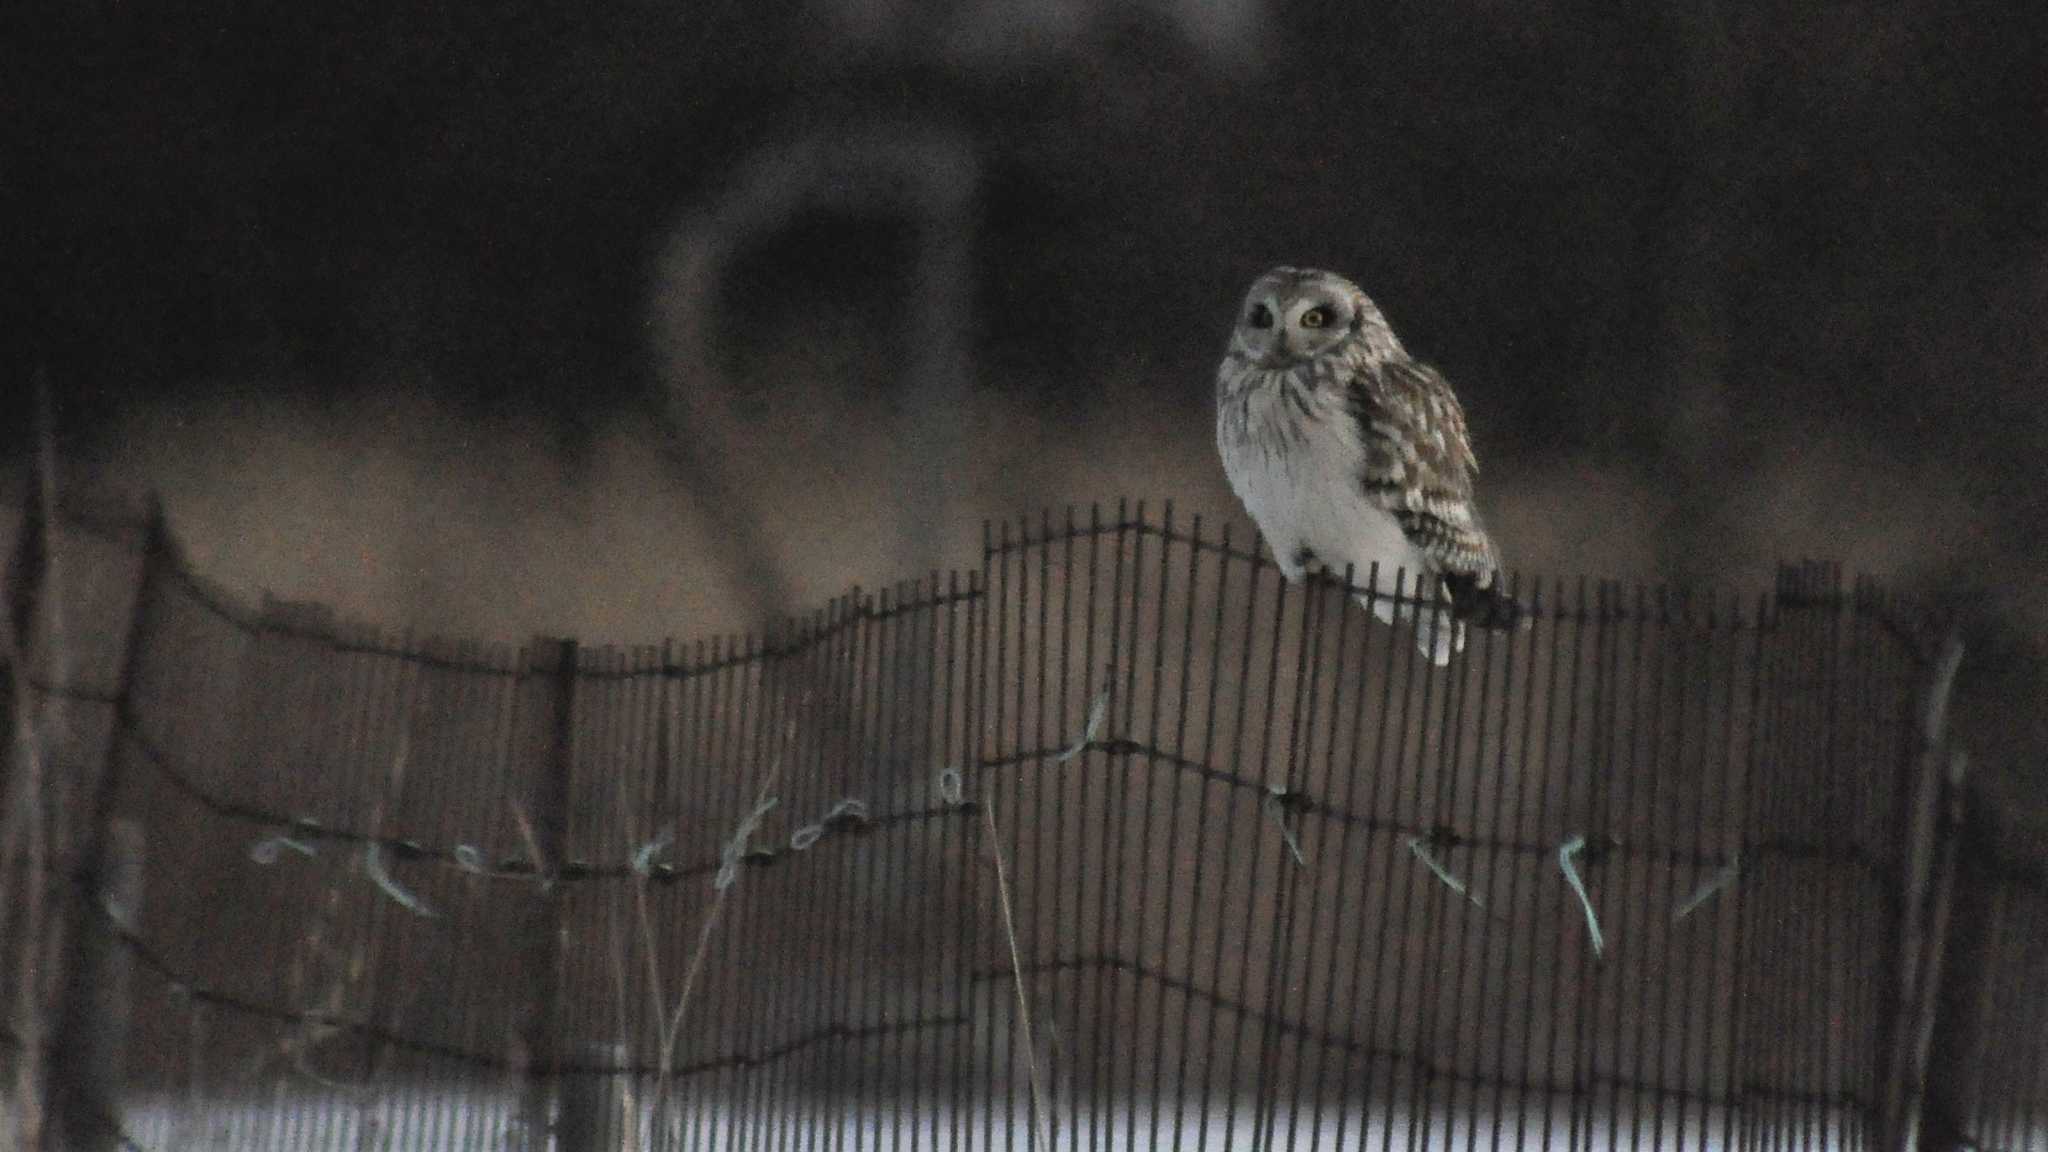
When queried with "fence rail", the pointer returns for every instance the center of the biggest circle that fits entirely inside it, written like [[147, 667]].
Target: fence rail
[[1115, 840]]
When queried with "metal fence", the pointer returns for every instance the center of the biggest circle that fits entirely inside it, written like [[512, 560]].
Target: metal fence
[[1115, 841]]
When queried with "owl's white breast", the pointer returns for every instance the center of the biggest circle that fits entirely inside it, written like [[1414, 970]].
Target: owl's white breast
[[1296, 464]]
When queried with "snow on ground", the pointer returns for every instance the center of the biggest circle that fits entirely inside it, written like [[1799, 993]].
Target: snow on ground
[[488, 1121]]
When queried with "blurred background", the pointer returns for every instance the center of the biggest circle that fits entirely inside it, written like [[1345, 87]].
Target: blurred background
[[660, 318]]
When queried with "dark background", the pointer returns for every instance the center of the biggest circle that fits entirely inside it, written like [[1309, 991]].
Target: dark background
[[371, 291]]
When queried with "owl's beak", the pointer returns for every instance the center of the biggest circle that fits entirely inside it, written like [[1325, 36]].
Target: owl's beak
[[1283, 353]]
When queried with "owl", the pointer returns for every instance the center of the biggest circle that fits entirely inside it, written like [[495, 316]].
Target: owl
[[1348, 452]]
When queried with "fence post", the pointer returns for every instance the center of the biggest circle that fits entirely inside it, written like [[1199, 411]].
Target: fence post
[[594, 1101], [74, 1114], [1939, 1055], [554, 661], [90, 1066], [1926, 847], [26, 566]]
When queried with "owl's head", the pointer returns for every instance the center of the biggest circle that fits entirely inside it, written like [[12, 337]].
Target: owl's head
[[1294, 315]]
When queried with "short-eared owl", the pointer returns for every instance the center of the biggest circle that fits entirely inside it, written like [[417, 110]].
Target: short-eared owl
[[1348, 452]]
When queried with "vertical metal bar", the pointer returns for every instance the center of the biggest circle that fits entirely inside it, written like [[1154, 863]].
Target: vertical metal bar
[[1422, 1086], [1265, 1068], [997, 687], [1680, 662], [1123, 697], [968, 754], [791, 673], [1796, 1053], [1645, 715], [1166, 920], [1693, 845], [1460, 928], [677, 1106], [767, 972], [955, 850], [1163, 598], [1567, 759], [1492, 849], [1398, 783], [1065, 997], [1542, 636], [554, 659], [1727, 780], [486, 809], [1044, 915], [1744, 971], [1765, 1110], [360, 913], [899, 748], [876, 704], [812, 646], [1082, 1025], [1257, 855], [983, 618], [1815, 806], [1281, 959], [408, 1074], [680, 1106], [1365, 1000], [764, 754], [1600, 731], [925, 759], [1201, 855], [659, 818], [728, 800], [1224, 853], [889, 877], [1348, 816], [1836, 1110], [1103, 1035], [306, 1123], [1027, 777]]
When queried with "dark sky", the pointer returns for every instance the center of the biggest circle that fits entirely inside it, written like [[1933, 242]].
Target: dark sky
[[1680, 246], [1854, 191]]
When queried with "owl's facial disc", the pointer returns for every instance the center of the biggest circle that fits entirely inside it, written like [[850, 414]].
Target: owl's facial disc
[[1292, 315], [1258, 328]]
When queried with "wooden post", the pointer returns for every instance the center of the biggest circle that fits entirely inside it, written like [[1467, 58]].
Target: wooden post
[[26, 567], [89, 1070], [79, 1030], [1927, 1012], [552, 663], [594, 1102], [1926, 873]]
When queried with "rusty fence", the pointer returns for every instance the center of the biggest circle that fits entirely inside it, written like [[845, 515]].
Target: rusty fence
[[1115, 840]]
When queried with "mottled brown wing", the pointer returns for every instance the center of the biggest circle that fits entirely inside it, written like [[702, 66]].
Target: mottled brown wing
[[1419, 464]]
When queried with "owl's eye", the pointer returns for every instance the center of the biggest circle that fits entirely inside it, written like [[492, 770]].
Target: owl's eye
[[1315, 318], [1261, 317]]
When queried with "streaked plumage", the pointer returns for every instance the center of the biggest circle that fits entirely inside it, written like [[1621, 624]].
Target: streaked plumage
[[1347, 451]]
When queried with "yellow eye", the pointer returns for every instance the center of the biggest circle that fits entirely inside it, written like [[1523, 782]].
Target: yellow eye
[[1315, 318]]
